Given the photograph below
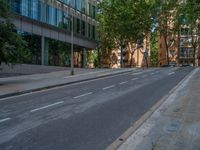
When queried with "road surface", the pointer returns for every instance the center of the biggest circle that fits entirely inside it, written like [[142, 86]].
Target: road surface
[[84, 116]]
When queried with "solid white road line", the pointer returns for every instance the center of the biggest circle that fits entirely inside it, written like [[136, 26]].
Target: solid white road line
[[108, 87], [171, 73], [123, 82], [83, 95], [3, 120], [47, 106], [134, 79]]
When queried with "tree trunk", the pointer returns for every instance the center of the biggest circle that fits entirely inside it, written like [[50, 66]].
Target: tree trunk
[[131, 62], [165, 38], [194, 55], [121, 61]]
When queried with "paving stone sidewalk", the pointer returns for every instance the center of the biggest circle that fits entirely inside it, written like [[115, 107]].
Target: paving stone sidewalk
[[175, 125]]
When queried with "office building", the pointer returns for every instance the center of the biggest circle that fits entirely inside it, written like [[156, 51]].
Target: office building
[[46, 23]]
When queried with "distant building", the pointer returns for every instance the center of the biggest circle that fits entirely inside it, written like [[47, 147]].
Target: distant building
[[46, 21], [135, 55], [181, 52]]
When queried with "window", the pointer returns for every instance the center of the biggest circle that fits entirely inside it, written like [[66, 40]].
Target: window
[[54, 16], [83, 28], [34, 9], [16, 6], [30, 8], [59, 18], [49, 15], [66, 1], [93, 32], [83, 6], [66, 19], [72, 3], [186, 52], [89, 30], [78, 5], [78, 25], [39, 12], [93, 12], [24, 8], [90, 10]]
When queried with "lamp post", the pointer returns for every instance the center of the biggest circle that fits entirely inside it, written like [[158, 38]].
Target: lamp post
[[72, 45]]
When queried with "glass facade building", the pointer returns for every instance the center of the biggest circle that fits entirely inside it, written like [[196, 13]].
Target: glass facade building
[[57, 13], [50, 23]]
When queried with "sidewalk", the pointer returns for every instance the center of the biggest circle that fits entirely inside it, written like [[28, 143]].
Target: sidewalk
[[11, 86], [175, 125]]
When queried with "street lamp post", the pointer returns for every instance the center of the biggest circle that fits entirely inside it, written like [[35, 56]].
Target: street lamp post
[[72, 45]]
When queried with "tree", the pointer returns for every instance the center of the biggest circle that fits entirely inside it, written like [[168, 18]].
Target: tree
[[122, 23], [11, 44], [154, 49], [167, 23]]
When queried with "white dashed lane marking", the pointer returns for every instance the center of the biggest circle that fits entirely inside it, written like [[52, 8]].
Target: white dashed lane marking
[[123, 82], [4, 120], [134, 79], [171, 73], [47, 106], [83, 95], [108, 87]]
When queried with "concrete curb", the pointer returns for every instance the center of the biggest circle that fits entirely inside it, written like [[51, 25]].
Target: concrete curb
[[120, 140], [63, 84]]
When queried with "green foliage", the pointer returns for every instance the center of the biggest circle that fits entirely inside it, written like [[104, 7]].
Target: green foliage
[[11, 44], [59, 53], [123, 20], [92, 57], [154, 49]]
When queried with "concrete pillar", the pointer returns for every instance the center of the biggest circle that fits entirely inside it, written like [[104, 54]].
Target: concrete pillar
[[44, 51], [84, 58]]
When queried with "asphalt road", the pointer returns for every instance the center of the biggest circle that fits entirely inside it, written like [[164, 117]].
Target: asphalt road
[[84, 116]]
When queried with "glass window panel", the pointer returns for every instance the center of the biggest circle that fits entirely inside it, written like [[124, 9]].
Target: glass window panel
[[90, 10], [72, 3], [78, 5], [30, 8], [54, 16], [59, 18], [34, 9], [83, 6], [39, 12], [16, 6], [49, 15], [93, 12], [83, 28], [66, 21], [93, 32], [24, 8], [78, 23], [89, 30]]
